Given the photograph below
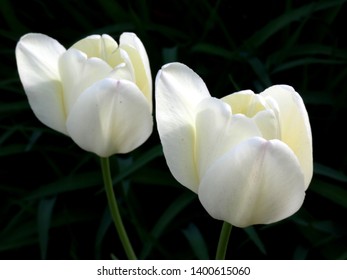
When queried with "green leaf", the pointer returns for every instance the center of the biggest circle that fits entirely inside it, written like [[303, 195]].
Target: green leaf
[[14, 107], [306, 61], [154, 177], [169, 55], [300, 253], [215, 50], [113, 9], [12, 149], [260, 70], [144, 159], [326, 171], [256, 40], [20, 231], [168, 31], [253, 235], [105, 223], [196, 241], [9, 15], [67, 184], [44, 214], [165, 219], [318, 49], [334, 193]]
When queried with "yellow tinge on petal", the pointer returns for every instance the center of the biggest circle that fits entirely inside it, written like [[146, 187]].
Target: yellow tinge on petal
[[245, 102], [103, 47], [258, 109], [295, 125], [134, 48]]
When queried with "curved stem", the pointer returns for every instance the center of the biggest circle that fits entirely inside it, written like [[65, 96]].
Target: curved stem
[[223, 241], [112, 202]]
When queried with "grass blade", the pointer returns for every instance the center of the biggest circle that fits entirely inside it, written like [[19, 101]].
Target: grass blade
[[196, 241], [44, 215]]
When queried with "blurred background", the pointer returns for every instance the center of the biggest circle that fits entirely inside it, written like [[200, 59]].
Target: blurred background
[[52, 204]]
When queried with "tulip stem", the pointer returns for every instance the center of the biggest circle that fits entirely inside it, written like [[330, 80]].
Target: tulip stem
[[112, 202], [223, 241]]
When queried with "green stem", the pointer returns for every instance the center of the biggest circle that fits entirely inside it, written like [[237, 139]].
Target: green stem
[[112, 202], [223, 241]]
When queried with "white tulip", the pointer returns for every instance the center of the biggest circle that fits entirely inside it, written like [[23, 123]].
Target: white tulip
[[97, 92], [247, 156]]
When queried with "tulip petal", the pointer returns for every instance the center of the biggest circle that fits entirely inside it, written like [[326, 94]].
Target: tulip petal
[[258, 182], [103, 47], [37, 58], [78, 72], [245, 102], [218, 131], [295, 125], [267, 123], [254, 106], [111, 116], [124, 70], [178, 91], [133, 46]]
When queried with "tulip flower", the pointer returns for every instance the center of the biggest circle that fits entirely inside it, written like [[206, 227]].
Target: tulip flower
[[97, 92], [248, 156]]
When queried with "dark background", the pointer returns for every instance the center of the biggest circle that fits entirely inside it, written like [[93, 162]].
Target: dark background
[[52, 203]]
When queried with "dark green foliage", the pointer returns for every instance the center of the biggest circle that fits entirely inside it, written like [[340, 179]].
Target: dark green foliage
[[52, 203]]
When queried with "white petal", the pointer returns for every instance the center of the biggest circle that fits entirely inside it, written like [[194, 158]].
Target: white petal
[[259, 182], [218, 131], [37, 58], [110, 117], [295, 125], [255, 106], [78, 73], [245, 102], [267, 123], [103, 47], [178, 91], [133, 46], [124, 70]]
